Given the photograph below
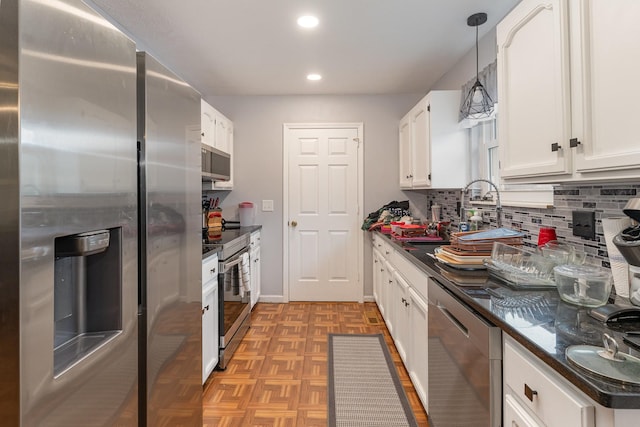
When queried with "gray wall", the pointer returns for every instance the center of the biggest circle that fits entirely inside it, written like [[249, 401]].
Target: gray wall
[[258, 160], [465, 69]]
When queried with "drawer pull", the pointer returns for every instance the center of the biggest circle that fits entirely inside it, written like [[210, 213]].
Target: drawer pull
[[529, 392]]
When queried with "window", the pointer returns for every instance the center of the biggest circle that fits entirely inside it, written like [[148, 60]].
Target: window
[[484, 141]]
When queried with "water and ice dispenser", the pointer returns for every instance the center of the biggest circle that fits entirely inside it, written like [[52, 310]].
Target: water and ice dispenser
[[87, 294]]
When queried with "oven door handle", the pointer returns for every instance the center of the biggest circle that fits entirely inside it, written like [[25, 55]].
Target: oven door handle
[[235, 260]]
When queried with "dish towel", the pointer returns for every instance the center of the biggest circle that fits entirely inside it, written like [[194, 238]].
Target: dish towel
[[244, 271]]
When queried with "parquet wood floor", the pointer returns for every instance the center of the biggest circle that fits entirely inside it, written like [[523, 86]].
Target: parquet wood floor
[[278, 375]]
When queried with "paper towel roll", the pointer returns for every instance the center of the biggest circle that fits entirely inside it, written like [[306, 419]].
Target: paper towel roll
[[619, 267]]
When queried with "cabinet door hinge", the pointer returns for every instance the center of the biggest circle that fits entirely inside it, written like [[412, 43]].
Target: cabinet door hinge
[[429, 108]]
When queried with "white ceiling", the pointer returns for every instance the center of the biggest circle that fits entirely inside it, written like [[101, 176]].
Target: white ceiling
[[254, 47]]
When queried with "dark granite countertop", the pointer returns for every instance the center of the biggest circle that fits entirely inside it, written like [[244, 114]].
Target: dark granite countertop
[[537, 319]]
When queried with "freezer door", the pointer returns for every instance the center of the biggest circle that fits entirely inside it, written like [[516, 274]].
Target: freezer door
[[77, 182]]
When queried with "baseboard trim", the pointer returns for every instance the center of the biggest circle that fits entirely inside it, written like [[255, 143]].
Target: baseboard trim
[[274, 299], [279, 299]]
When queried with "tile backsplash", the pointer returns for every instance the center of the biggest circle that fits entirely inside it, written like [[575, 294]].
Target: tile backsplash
[[605, 200]]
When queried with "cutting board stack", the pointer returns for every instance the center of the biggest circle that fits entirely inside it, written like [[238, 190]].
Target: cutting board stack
[[469, 249]]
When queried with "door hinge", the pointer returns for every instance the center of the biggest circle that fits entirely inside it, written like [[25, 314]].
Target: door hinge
[[429, 108], [429, 177]]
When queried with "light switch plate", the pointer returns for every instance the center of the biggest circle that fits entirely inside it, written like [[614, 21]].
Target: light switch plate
[[267, 206]]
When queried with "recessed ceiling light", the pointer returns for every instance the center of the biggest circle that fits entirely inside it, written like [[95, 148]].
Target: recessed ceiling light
[[308, 21], [314, 77]]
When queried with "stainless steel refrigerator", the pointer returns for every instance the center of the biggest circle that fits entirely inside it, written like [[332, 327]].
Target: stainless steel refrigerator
[[73, 280], [170, 247]]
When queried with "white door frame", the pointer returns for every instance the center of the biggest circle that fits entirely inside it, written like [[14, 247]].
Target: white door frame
[[285, 196]]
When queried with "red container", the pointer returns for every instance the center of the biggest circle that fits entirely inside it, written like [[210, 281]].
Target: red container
[[546, 235]]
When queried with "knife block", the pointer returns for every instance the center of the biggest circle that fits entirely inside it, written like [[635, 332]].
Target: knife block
[[214, 220]]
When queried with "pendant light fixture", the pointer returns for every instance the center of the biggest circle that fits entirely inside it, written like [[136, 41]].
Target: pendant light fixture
[[477, 104]]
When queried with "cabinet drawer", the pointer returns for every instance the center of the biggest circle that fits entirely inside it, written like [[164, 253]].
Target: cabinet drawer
[[551, 398], [414, 276], [515, 415], [209, 269], [254, 239], [384, 247]]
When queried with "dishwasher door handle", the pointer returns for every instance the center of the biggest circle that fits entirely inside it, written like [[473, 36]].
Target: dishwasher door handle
[[453, 319]]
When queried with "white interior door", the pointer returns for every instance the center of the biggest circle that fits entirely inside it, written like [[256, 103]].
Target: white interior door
[[323, 193]]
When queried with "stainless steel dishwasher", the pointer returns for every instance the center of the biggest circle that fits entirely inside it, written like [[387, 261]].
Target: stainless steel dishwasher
[[465, 364]]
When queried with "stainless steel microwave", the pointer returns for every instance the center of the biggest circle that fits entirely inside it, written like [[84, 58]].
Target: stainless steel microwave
[[216, 164]]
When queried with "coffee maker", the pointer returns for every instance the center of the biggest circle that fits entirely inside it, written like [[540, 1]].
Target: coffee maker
[[628, 243]]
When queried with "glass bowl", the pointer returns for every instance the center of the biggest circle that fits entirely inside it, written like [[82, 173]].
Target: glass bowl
[[583, 285]]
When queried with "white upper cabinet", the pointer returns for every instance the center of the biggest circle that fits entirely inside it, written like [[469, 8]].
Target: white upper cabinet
[[208, 123], [405, 152], [217, 130], [534, 91], [433, 149], [223, 132], [566, 90], [606, 91]]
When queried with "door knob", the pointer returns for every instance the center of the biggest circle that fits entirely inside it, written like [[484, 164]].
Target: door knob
[[294, 223]]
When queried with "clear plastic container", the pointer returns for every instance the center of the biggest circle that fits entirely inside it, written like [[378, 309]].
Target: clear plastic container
[[584, 285], [246, 213]]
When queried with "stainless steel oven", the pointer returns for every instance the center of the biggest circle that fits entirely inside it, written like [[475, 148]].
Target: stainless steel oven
[[234, 295], [465, 364]]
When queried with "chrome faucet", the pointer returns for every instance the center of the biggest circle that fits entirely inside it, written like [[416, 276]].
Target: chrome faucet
[[498, 204]]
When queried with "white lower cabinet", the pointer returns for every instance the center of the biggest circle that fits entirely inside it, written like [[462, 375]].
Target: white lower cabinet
[[400, 302], [418, 346], [541, 393], [255, 269], [399, 289], [387, 295], [209, 330], [378, 269], [515, 415], [210, 333]]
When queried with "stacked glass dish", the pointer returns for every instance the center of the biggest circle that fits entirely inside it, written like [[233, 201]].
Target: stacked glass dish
[[522, 267]]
